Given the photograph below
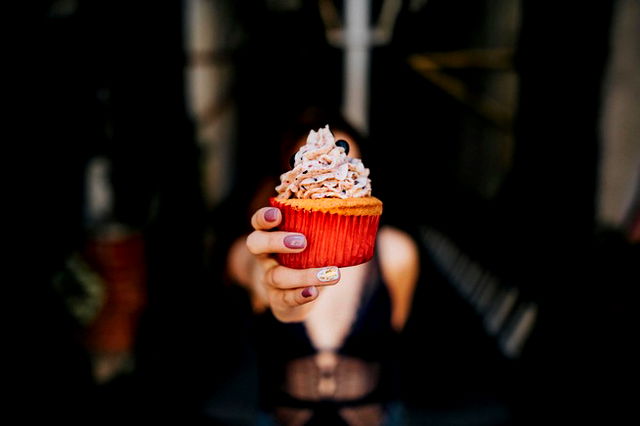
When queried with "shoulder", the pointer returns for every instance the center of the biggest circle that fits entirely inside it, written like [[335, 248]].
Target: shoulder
[[396, 248]]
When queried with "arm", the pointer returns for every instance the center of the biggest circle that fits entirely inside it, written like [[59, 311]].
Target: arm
[[287, 291], [400, 266]]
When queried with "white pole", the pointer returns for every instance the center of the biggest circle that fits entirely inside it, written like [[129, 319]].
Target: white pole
[[356, 64]]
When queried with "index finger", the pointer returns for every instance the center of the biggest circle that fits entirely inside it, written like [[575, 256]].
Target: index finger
[[266, 218]]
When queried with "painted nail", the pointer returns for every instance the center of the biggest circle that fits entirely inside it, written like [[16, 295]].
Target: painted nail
[[330, 273], [308, 292], [271, 215], [295, 241]]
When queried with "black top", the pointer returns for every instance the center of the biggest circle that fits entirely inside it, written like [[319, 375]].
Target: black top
[[360, 373]]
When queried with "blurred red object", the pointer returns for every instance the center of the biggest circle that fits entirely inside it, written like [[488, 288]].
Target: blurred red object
[[119, 257]]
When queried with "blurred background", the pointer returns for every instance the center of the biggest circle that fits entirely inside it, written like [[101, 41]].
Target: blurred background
[[501, 134]]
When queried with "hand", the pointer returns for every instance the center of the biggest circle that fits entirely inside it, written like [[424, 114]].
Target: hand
[[287, 290]]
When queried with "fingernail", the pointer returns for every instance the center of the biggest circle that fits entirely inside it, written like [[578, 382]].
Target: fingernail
[[308, 292], [295, 241], [271, 215], [330, 273]]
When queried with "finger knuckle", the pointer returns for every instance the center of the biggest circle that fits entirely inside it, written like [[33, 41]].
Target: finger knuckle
[[291, 299], [269, 277], [275, 275], [253, 242]]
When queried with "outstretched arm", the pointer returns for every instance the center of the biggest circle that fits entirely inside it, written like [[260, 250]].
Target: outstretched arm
[[400, 264]]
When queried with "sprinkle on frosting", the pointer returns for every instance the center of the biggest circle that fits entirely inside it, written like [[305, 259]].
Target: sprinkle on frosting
[[322, 170]]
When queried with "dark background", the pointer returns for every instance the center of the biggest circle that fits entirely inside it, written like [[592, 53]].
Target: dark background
[[109, 79]]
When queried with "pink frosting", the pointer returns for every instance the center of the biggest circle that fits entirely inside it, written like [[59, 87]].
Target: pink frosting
[[323, 170]]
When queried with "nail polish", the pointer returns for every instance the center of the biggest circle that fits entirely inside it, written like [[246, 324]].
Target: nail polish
[[271, 215], [308, 292], [330, 273], [295, 241]]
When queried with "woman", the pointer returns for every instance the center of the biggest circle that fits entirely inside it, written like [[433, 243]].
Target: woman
[[327, 334]]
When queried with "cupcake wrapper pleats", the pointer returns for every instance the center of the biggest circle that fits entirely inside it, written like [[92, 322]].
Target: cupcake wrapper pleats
[[332, 239]]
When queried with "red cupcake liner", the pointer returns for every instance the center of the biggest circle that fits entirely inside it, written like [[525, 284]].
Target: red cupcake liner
[[332, 239]]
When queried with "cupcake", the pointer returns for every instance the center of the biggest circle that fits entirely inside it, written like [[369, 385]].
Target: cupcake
[[327, 197]]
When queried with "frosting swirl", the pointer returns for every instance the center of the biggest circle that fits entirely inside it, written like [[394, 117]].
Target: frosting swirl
[[323, 170]]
